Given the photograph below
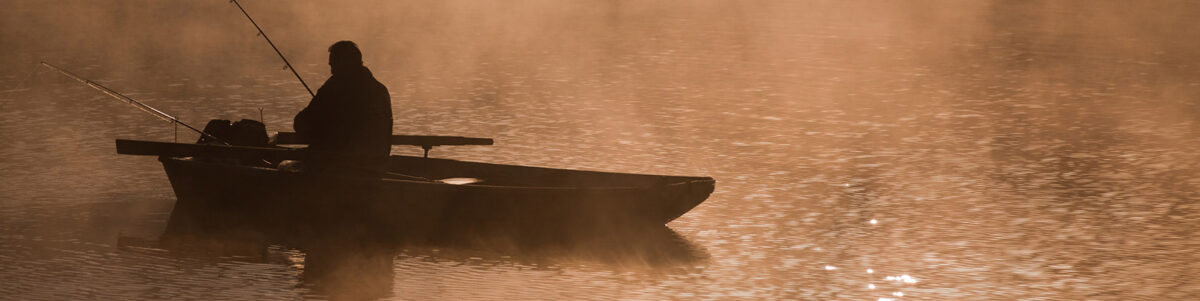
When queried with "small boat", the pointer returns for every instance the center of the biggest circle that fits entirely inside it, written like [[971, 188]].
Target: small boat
[[216, 191], [215, 195]]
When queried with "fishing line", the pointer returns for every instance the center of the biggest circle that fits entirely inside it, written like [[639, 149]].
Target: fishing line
[[22, 82]]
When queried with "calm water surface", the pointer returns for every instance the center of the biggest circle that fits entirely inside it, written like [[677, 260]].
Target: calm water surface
[[870, 151]]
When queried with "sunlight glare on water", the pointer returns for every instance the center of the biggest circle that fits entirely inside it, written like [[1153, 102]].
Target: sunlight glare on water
[[877, 150]]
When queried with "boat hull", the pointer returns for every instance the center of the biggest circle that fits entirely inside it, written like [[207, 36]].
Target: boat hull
[[516, 200]]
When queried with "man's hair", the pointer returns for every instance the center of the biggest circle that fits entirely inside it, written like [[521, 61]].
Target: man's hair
[[345, 53]]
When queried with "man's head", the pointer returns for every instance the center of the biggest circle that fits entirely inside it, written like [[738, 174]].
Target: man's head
[[344, 54]]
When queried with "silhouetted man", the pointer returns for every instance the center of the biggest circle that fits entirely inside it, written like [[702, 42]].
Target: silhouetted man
[[349, 122]]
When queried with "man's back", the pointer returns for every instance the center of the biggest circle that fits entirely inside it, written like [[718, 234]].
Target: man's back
[[349, 122]]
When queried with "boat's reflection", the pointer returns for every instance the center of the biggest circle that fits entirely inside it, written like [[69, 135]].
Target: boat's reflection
[[356, 267], [348, 270], [653, 248]]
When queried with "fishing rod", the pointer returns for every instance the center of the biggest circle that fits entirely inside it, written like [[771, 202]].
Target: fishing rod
[[264, 35], [137, 104]]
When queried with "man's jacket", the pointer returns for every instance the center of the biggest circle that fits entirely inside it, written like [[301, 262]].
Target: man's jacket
[[348, 122]]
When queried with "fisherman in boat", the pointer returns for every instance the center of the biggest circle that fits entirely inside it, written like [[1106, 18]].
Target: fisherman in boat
[[349, 121]]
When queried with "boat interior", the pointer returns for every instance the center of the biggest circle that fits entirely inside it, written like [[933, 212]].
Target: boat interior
[[472, 173]]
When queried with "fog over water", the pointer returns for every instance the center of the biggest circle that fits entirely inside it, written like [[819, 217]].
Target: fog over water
[[864, 150]]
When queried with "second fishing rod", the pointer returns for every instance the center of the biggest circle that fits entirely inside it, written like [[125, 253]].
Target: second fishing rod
[[264, 35], [168, 117]]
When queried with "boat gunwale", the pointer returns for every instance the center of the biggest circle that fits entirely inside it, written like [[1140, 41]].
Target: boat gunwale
[[682, 180]]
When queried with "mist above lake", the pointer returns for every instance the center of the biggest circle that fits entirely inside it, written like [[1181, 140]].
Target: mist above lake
[[920, 150]]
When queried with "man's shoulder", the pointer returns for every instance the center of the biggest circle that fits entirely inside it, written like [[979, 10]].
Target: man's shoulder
[[378, 86]]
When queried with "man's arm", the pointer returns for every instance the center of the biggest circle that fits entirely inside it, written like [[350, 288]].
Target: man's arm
[[308, 119]]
